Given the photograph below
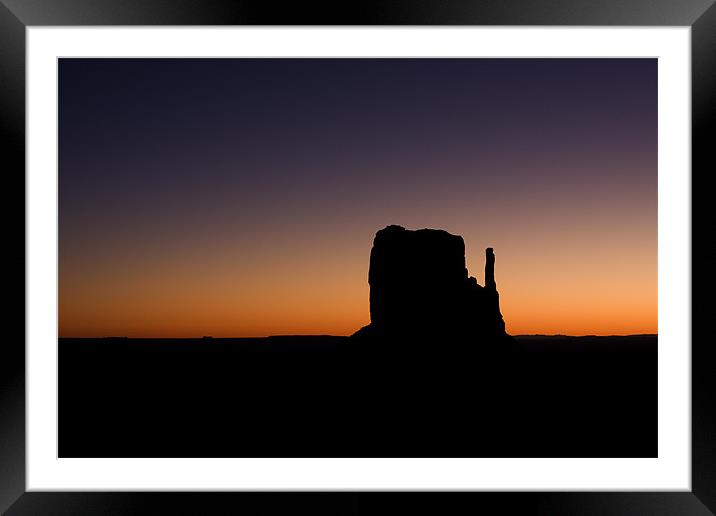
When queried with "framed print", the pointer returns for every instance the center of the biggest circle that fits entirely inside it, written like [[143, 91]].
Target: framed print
[[437, 249]]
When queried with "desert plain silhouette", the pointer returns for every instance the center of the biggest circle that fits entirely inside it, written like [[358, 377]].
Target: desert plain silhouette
[[434, 374]]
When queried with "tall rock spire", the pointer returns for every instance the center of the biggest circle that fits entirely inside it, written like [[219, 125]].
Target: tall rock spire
[[490, 269]]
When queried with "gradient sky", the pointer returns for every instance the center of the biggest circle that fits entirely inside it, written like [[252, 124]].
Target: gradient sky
[[240, 197]]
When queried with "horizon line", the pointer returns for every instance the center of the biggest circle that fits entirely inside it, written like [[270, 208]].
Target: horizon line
[[306, 335]]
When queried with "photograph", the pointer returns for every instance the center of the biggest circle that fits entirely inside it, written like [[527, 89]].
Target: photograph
[[357, 257], [402, 257]]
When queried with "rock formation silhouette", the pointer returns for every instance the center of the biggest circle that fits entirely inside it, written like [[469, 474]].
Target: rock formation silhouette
[[420, 289]]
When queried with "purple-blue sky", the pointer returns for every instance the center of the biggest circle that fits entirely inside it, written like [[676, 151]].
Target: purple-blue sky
[[239, 197]]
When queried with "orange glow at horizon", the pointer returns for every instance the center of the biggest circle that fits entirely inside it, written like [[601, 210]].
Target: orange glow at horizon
[[586, 275]]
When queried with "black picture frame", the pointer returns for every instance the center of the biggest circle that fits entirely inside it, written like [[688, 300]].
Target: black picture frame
[[700, 15]]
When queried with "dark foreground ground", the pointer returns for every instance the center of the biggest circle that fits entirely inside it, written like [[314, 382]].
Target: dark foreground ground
[[327, 397]]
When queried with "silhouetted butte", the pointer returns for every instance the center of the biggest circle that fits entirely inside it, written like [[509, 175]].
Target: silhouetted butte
[[420, 290]]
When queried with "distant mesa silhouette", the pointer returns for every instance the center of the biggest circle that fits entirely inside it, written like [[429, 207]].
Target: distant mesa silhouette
[[420, 289]]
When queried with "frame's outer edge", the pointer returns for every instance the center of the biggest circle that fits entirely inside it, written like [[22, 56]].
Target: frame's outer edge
[[703, 358], [400, 12], [366, 12], [12, 349], [190, 504]]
